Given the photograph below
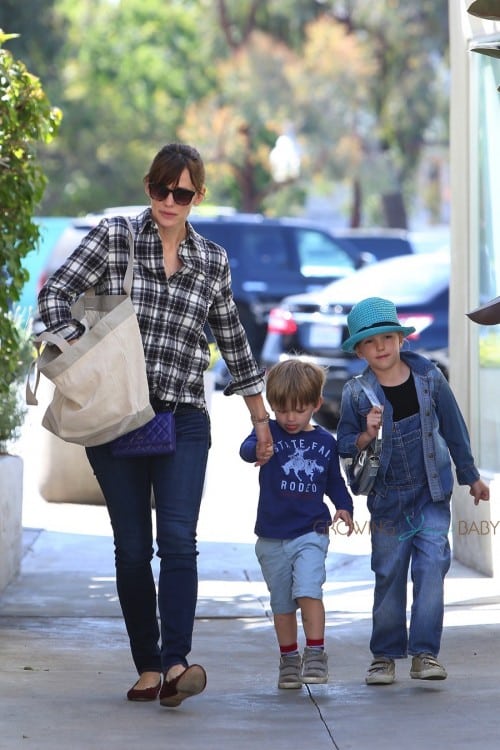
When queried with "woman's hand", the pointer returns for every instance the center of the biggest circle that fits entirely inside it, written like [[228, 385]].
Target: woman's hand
[[260, 421], [265, 448]]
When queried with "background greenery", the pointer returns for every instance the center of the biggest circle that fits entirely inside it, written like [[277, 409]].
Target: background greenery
[[362, 84], [26, 120]]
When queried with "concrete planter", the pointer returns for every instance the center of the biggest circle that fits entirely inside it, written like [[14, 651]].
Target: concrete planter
[[11, 529]]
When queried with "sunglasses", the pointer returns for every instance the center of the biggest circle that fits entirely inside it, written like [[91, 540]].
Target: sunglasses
[[181, 196]]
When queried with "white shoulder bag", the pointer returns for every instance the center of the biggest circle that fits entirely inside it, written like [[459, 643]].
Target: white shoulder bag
[[100, 384]]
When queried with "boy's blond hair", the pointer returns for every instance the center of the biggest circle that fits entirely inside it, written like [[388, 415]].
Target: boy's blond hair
[[294, 383]]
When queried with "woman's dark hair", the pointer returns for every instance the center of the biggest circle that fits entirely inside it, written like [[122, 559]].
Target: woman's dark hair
[[169, 163]]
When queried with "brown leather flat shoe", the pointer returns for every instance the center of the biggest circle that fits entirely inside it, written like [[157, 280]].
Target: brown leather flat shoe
[[144, 694], [190, 682]]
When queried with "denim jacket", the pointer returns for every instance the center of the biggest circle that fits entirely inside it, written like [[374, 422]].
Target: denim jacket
[[444, 431]]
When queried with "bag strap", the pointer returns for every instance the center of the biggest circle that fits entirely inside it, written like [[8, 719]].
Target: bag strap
[[366, 386], [373, 399], [129, 273]]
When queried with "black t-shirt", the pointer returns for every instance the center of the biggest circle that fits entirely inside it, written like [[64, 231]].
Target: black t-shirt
[[403, 398]]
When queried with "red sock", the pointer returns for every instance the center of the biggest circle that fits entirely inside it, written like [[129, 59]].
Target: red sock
[[312, 643], [290, 649]]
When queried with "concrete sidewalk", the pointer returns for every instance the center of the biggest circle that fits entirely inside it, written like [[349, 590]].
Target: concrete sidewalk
[[65, 662]]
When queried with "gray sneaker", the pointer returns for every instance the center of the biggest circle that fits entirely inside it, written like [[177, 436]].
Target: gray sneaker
[[314, 666], [382, 671], [289, 675], [427, 667]]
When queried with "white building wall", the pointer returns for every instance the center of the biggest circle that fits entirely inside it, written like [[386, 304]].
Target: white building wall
[[476, 530]]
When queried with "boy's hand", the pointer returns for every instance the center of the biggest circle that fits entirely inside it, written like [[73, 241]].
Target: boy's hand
[[479, 491], [345, 516]]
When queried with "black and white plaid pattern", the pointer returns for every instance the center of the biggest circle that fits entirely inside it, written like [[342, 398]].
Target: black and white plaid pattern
[[171, 312]]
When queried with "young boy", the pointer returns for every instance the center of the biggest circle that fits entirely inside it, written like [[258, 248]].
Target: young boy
[[292, 518], [410, 501]]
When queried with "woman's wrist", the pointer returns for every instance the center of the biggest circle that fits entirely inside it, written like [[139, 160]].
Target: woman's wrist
[[259, 418]]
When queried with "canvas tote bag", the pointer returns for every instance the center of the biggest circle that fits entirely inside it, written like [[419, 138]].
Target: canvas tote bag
[[100, 384]]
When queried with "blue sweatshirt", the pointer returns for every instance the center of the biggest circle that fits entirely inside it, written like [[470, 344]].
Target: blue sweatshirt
[[305, 467]]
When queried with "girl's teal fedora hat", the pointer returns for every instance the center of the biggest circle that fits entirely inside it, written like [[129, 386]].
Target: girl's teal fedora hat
[[370, 317]]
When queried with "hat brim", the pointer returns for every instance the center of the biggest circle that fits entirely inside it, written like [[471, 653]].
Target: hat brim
[[350, 344], [487, 314]]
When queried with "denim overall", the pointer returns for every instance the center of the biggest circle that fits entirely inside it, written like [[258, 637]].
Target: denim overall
[[409, 530]]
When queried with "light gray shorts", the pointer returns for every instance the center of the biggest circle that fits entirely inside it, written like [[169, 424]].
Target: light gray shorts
[[293, 568]]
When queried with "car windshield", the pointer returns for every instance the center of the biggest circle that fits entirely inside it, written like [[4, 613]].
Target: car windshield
[[405, 280], [320, 255]]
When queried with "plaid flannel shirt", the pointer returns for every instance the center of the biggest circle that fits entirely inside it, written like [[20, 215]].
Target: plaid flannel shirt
[[171, 312]]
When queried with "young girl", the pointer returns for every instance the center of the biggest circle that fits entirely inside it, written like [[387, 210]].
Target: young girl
[[410, 501]]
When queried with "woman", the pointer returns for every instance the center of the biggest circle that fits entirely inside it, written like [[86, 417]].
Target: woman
[[181, 280]]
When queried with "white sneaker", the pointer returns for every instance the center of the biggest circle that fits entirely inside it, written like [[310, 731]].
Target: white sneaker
[[382, 671], [427, 667]]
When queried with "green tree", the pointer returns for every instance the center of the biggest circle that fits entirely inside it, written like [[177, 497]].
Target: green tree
[[409, 43], [128, 70], [131, 75], [363, 102], [284, 20], [331, 82], [26, 119], [40, 35], [236, 125]]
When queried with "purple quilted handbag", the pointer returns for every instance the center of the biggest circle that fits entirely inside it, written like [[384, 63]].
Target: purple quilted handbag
[[155, 438]]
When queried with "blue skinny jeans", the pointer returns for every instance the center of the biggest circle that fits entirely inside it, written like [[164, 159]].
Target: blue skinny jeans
[[177, 484]]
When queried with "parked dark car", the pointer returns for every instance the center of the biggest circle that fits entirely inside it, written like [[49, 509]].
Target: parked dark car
[[269, 258], [313, 326], [382, 243]]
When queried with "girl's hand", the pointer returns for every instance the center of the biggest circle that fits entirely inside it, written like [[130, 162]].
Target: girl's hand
[[479, 491], [373, 422]]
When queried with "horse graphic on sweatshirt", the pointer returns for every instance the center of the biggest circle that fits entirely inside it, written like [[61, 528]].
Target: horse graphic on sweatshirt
[[297, 463]]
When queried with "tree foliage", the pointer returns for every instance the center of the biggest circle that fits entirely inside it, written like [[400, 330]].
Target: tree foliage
[[236, 124], [128, 71], [361, 83], [26, 119], [398, 99]]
